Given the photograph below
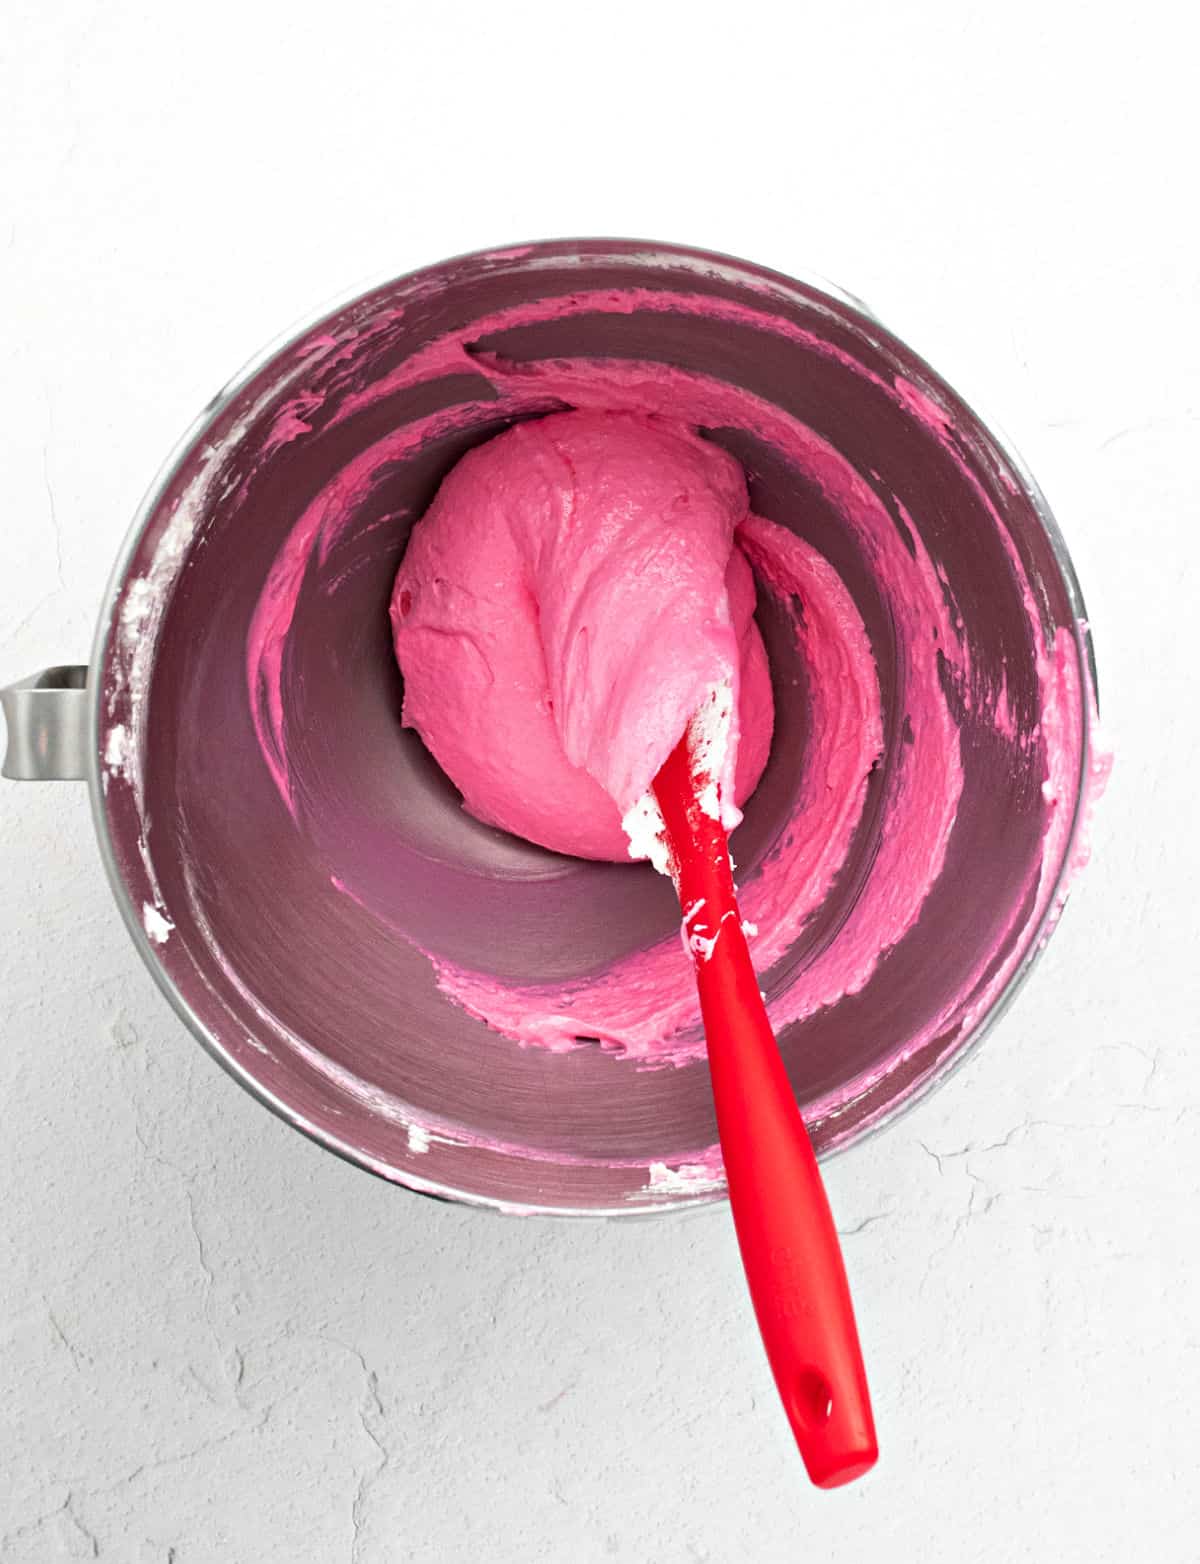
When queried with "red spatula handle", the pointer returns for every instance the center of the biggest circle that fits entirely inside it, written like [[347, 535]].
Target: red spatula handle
[[789, 1245]]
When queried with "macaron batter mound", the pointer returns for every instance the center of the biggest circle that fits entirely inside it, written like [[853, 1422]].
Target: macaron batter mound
[[582, 579], [572, 597]]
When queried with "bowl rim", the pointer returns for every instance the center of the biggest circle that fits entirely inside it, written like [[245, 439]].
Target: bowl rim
[[195, 432]]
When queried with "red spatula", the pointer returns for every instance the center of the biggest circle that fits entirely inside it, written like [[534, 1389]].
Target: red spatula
[[784, 1225]]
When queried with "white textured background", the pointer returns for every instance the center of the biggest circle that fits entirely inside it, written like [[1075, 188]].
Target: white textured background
[[219, 1345]]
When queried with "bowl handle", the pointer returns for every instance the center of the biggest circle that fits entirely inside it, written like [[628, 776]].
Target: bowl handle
[[47, 716]]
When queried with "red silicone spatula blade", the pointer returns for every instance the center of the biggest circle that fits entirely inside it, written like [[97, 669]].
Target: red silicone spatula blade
[[785, 1229]]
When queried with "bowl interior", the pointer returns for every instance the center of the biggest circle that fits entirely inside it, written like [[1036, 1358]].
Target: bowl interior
[[297, 935]]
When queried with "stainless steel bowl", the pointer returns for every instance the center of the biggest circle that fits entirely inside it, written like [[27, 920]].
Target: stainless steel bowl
[[309, 998]]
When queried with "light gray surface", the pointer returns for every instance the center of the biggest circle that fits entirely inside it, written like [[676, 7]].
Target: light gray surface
[[218, 1344]]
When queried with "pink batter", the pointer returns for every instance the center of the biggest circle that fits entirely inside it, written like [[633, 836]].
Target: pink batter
[[570, 599], [646, 1006], [582, 579]]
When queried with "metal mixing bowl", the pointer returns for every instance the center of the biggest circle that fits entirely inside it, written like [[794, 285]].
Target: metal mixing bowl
[[308, 997]]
